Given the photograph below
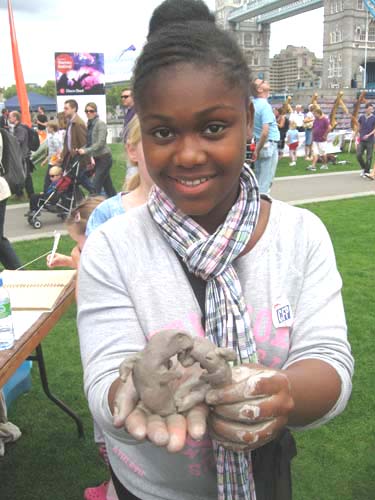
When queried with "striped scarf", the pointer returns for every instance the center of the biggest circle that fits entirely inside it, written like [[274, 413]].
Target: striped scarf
[[210, 257]]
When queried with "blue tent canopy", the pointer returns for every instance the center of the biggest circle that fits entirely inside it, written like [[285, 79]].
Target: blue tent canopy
[[35, 100]]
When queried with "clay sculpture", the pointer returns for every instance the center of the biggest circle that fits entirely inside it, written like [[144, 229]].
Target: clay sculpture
[[156, 369]]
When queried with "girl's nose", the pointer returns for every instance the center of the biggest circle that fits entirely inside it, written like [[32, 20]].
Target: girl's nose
[[189, 152]]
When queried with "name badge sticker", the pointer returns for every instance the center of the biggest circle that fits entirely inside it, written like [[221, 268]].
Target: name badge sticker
[[282, 314]]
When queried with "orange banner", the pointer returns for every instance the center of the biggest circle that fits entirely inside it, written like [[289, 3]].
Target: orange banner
[[20, 83]]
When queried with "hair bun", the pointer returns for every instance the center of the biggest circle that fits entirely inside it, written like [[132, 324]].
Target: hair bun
[[178, 11]]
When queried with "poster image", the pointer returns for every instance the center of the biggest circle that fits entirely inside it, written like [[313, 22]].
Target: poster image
[[79, 73]]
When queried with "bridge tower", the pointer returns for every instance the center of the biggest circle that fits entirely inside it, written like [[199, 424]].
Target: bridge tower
[[348, 45], [348, 40], [252, 37]]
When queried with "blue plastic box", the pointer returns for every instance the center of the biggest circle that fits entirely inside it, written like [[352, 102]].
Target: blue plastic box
[[18, 383]]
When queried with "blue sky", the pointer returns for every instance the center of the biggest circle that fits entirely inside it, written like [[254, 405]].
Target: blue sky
[[47, 26]]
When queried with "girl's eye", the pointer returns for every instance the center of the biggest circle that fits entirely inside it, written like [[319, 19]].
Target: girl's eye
[[163, 133], [214, 128]]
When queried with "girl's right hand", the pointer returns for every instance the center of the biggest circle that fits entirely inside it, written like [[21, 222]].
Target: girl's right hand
[[59, 260], [169, 432]]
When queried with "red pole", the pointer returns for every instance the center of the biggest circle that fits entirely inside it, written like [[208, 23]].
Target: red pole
[[20, 82]]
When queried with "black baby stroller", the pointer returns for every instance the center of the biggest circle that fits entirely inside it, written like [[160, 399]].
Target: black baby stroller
[[65, 196]]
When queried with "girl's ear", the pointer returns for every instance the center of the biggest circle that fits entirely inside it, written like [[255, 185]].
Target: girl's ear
[[250, 120], [132, 153]]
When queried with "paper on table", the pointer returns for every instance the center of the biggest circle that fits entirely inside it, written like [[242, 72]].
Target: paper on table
[[36, 290], [23, 320]]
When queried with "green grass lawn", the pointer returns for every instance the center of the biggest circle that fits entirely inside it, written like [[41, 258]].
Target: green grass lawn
[[284, 170], [335, 462]]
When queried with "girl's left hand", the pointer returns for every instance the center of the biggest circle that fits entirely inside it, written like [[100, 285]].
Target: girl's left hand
[[253, 409]]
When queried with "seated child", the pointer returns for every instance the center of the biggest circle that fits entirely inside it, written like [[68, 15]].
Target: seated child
[[54, 147], [55, 174]]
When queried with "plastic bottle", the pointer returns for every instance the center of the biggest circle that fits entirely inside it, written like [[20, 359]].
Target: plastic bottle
[[6, 323]]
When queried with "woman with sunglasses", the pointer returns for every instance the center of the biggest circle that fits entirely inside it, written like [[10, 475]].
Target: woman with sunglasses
[[97, 148]]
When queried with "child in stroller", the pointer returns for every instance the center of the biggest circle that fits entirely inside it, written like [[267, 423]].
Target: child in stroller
[[61, 196]]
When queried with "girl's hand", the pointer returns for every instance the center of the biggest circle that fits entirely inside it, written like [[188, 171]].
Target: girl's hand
[[59, 260], [253, 409], [170, 432]]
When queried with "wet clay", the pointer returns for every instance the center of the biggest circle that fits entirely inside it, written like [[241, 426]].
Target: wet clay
[[154, 372]]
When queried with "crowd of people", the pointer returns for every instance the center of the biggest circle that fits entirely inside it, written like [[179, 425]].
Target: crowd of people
[[315, 127], [194, 242], [276, 128]]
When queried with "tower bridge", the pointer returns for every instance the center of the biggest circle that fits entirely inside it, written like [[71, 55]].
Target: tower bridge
[[289, 10], [276, 10], [280, 10], [348, 39]]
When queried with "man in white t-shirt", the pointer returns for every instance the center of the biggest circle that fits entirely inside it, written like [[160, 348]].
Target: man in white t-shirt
[[297, 117]]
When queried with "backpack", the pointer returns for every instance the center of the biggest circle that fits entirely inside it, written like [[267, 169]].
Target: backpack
[[12, 164], [33, 138]]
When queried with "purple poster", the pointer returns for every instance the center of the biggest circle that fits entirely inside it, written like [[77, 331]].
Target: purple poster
[[79, 73]]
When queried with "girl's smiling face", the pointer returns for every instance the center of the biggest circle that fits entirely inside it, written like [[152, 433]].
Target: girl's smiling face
[[194, 131]]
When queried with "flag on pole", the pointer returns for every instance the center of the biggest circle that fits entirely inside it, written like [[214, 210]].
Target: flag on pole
[[131, 48], [20, 83]]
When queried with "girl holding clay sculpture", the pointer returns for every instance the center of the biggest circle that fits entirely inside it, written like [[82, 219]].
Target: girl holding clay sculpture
[[260, 275]]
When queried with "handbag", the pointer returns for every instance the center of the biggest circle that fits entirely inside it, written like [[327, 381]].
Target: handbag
[[271, 462]]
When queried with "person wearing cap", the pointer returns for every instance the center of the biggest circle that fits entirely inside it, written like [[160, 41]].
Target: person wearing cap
[[55, 174], [366, 139]]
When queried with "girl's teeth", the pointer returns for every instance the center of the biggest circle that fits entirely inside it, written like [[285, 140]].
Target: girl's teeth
[[192, 183]]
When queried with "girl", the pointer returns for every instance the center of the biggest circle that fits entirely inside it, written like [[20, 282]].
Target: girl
[[76, 224], [292, 141], [265, 271], [283, 125], [135, 190]]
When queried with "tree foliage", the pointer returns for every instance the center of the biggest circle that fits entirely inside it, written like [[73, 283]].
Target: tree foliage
[[113, 96], [48, 89]]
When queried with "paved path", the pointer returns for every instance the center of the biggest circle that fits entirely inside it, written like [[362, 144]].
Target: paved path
[[321, 187], [295, 190]]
